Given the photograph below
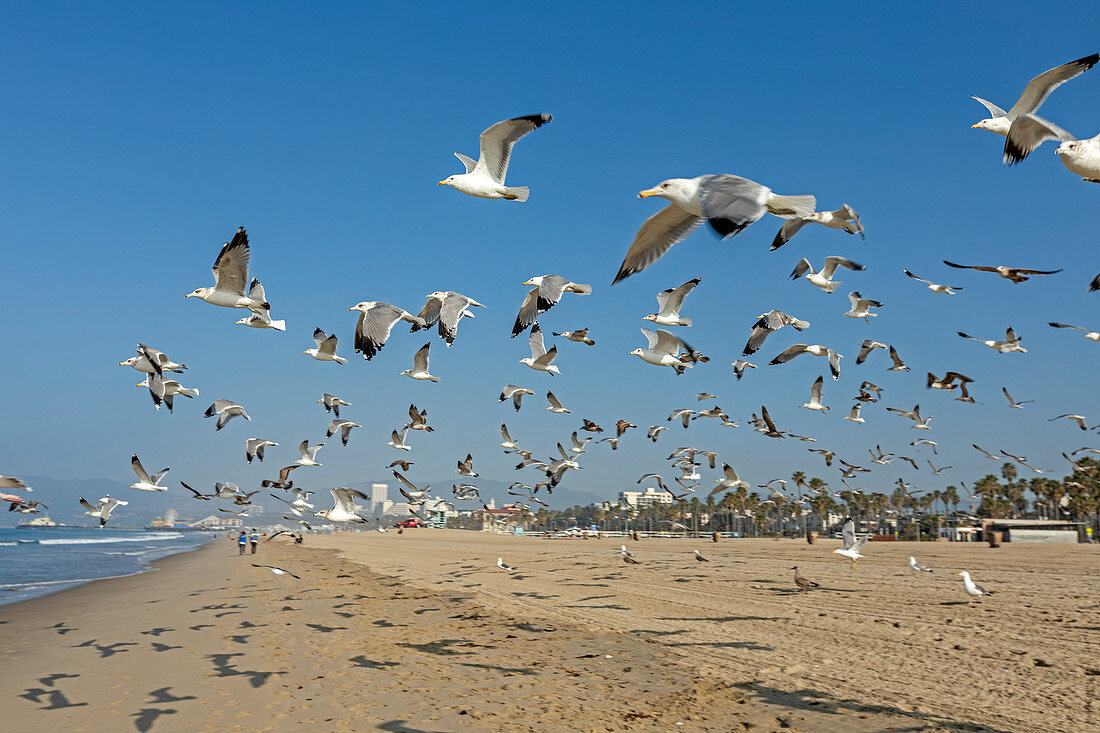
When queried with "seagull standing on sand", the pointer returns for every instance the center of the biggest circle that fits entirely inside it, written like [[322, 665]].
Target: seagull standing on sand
[[1022, 129], [669, 303], [845, 218], [420, 365], [628, 556], [852, 546], [501, 564], [540, 360], [728, 203], [376, 320], [145, 481], [547, 291], [973, 589], [484, 178], [803, 583], [230, 276], [699, 557], [226, 410], [325, 350]]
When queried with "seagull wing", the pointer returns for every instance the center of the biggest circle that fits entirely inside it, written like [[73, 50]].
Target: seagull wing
[[142, 474], [528, 312], [231, 266], [790, 228], [1039, 88], [831, 263], [994, 110], [430, 312], [497, 141], [731, 203], [1029, 132], [848, 533], [929, 282], [668, 227], [450, 316], [420, 359], [674, 299], [788, 354], [538, 347]]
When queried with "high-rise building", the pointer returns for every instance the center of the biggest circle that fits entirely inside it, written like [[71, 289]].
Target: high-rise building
[[379, 494]]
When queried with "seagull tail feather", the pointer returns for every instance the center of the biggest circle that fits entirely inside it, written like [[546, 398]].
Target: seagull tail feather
[[790, 207], [517, 193]]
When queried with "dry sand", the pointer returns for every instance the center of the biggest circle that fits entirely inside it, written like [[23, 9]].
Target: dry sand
[[427, 635]]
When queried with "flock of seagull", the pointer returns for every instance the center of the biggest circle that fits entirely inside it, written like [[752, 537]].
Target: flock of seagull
[[728, 204]]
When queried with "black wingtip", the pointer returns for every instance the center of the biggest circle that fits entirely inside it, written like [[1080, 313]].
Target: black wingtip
[[725, 228]]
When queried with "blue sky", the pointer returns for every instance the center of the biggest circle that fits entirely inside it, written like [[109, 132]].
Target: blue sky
[[136, 140]]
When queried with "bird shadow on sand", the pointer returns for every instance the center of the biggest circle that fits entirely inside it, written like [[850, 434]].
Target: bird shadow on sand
[[503, 670], [822, 702], [362, 661], [161, 696], [223, 668], [144, 718], [442, 648], [722, 619], [797, 591], [56, 699], [401, 726], [725, 645], [609, 606], [659, 632], [326, 629]]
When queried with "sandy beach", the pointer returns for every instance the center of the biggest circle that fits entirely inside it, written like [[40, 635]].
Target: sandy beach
[[423, 633]]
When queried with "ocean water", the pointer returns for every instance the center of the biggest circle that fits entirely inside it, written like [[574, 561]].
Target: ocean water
[[35, 562]]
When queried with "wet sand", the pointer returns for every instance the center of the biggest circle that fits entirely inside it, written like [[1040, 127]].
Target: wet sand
[[423, 633]]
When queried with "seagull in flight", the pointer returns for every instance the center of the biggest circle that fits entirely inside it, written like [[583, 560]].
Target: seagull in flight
[[934, 287], [1013, 403], [824, 278], [484, 178], [845, 218], [146, 482], [814, 350], [1090, 335], [669, 303], [325, 350], [1015, 274], [852, 545], [767, 324], [1011, 342]]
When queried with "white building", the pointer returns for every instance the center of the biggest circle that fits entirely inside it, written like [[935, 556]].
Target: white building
[[379, 495], [644, 499]]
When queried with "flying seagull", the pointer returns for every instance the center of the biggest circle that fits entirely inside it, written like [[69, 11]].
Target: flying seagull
[[230, 276], [861, 307], [815, 397], [344, 426], [146, 482], [1090, 335], [664, 349], [845, 218], [226, 410], [325, 350], [281, 482], [308, 454], [277, 570], [1081, 157], [739, 368], [332, 403], [260, 318], [919, 423], [198, 494], [515, 393], [547, 290], [376, 320], [852, 546], [1015, 274], [447, 308], [1013, 403], [767, 324], [151, 361], [1079, 419], [1019, 126], [865, 349], [420, 365], [484, 178], [397, 440], [555, 405], [540, 360], [343, 509], [579, 337], [824, 278], [728, 203], [254, 448], [814, 350], [669, 303], [1011, 342], [102, 509], [853, 416], [934, 287]]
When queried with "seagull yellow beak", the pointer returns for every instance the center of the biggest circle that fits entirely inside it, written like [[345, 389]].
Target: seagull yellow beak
[[649, 192], [975, 126], [442, 183], [350, 309]]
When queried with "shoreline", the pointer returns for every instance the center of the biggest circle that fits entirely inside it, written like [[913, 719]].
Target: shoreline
[[359, 643]]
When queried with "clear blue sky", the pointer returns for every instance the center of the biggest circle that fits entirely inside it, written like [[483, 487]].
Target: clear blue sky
[[136, 139]]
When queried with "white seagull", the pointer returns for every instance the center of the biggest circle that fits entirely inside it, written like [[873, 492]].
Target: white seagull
[[1081, 157], [484, 178], [973, 589], [1013, 404], [159, 362], [145, 481], [767, 324], [934, 287], [397, 440], [332, 403], [501, 564], [845, 218], [448, 308], [853, 416], [230, 276], [861, 308], [344, 426], [308, 453], [325, 350], [814, 350], [343, 509], [852, 546], [103, 508], [1090, 335], [739, 368], [824, 278], [254, 448], [669, 303], [664, 350], [1011, 342], [515, 393], [547, 290], [815, 397], [919, 423], [917, 566], [540, 360], [226, 410], [420, 365], [555, 405], [376, 320], [579, 337]]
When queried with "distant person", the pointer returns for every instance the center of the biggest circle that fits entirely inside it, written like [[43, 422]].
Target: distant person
[[298, 539], [242, 542], [254, 539]]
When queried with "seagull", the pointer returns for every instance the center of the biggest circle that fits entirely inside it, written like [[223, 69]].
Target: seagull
[[623, 425], [853, 416], [684, 416], [508, 443], [420, 365], [579, 337], [815, 397], [973, 589], [276, 570], [343, 509], [254, 448], [102, 509], [669, 303], [919, 423], [590, 426], [397, 441], [404, 465], [852, 546], [466, 467], [1013, 404], [260, 318], [484, 178], [376, 320], [1019, 126], [866, 347], [937, 471], [226, 410], [547, 291], [664, 350], [628, 556], [699, 557], [917, 566], [447, 308], [515, 393], [728, 203], [298, 506], [151, 361], [948, 381], [1079, 419], [344, 426], [415, 495], [1015, 274], [540, 360], [332, 403], [166, 389], [899, 365], [230, 275], [769, 429], [949, 289], [739, 368], [235, 513], [1011, 342], [768, 323], [703, 396], [924, 441], [1090, 335], [824, 278], [555, 405], [503, 566], [282, 482], [145, 481], [308, 454], [654, 431], [984, 452], [731, 481], [814, 350], [614, 442], [845, 218], [198, 494], [326, 347], [1081, 157], [862, 308], [803, 583]]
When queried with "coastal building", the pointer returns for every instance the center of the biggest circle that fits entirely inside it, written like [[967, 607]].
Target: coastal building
[[644, 499], [379, 496]]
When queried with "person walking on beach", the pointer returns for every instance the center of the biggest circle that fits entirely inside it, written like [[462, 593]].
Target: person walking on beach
[[242, 542], [254, 539]]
